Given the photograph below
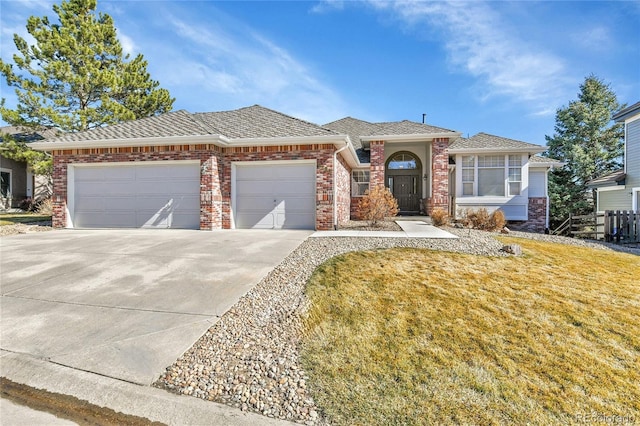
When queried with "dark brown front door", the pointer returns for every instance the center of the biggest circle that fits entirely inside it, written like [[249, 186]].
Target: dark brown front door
[[405, 190]]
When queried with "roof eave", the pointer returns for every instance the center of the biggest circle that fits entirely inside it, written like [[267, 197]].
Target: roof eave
[[419, 137], [528, 150], [549, 164], [628, 113], [126, 142]]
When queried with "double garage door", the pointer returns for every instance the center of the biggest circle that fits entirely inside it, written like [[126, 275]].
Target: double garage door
[[266, 195], [141, 195]]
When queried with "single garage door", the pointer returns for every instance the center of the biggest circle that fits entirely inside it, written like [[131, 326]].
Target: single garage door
[[141, 195], [272, 195]]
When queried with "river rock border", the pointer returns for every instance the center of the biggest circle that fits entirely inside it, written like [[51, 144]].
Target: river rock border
[[249, 358]]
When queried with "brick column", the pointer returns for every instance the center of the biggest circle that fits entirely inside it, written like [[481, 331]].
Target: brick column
[[537, 215], [210, 194], [439, 175], [59, 197], [376, 173]]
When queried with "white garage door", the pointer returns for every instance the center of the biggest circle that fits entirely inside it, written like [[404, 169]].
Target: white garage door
[[141, 195], [272, 195]]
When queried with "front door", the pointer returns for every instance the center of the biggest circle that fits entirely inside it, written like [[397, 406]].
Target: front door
[[405, 191]]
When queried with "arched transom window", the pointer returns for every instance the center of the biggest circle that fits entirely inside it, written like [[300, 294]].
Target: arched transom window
[[402, 161]]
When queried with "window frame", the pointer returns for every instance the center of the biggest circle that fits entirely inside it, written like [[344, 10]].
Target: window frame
[[10, 183], [358, 185], [510, 162]]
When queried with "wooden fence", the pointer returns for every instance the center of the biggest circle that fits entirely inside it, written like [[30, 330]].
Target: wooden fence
[[614, 226], [622, 226]]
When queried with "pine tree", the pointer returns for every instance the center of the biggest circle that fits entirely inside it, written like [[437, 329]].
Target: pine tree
[[75, 77], [589, 145]]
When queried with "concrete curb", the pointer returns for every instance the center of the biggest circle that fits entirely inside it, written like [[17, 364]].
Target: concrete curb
[[144, 401]]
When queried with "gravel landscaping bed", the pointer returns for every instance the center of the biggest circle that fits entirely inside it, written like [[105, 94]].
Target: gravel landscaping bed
[[22, 228], [249, 358]]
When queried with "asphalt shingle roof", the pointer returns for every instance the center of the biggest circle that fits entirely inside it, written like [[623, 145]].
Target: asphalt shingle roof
[[612, 179], [543, 159], [27, 135], [356, 129], [250, 122], [485, 141], [259, 122], [177, 123]]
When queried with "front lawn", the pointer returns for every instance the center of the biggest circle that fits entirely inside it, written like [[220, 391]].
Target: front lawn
[[13, 218], [410, 336]]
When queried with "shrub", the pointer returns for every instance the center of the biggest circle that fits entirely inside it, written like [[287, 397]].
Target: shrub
[[481, 219], [377, 204], [497, 220], [439, 217], [26, 205], [46, 207]]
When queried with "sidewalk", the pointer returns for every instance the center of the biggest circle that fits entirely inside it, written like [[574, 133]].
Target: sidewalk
[[410, 229]]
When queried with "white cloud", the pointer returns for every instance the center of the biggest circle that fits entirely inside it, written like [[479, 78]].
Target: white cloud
[[325, 6], [595, 38], [479, 43], [128, 45], [236, 61]]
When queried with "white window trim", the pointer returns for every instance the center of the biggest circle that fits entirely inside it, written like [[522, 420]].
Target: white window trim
[[10, 192], [354, 182], [523, 172]]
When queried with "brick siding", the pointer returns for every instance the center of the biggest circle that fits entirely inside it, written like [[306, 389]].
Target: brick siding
[[439, 176], [376, 173], [215, 175], [343, 190]]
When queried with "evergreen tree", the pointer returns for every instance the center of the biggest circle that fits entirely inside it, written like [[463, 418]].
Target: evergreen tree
[[589, 145], [75, 77]]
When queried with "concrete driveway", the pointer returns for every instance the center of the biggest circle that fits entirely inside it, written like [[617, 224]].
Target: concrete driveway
[[126, 303]]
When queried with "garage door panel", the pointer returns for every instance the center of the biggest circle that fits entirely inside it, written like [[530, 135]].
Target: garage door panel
[[255, 220], [295, 188], [137, 195], [275, 196], [255, 203], [303, 171]]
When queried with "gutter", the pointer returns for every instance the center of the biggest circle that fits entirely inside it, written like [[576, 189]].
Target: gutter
[[335, 188]]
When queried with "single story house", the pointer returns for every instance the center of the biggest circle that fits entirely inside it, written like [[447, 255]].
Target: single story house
[[258, 168], [17, 181], [620, 190]]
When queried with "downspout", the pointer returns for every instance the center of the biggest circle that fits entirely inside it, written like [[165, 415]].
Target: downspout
[[335, 187]]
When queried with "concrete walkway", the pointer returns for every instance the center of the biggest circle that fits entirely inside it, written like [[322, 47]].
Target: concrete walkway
[[410, 229]]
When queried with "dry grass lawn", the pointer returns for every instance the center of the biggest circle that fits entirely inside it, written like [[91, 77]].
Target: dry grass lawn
[[409, 336], [13, 218]]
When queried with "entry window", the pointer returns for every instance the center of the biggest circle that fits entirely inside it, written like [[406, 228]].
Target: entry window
[[359, 183], [402, 162], [515, 174], [5, 183]]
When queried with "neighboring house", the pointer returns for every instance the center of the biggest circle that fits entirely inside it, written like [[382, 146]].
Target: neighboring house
[[620, 190], [257, 168], [17, 182]]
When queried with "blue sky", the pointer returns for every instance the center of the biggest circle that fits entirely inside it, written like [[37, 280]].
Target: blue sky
[[496, 67]]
